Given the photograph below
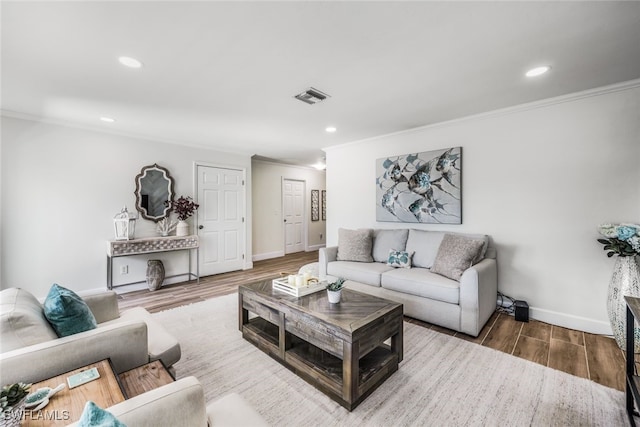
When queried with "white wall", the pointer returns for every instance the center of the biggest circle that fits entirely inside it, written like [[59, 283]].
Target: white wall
[[268, 224], [538, 179], [61, 187]]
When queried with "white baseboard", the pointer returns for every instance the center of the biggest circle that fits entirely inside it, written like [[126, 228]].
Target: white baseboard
[[268, 255], [569, 321], [123, 289], [248, 265], [315, 247]]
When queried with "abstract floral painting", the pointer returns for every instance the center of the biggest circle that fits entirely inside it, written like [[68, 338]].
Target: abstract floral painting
[[422, 187]]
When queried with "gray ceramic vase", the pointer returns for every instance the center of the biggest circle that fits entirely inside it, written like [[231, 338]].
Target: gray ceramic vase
[[155, 274]]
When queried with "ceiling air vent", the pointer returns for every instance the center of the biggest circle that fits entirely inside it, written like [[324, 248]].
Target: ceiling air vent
[[312, 96]]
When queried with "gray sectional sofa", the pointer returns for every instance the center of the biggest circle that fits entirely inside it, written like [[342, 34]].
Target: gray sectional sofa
[[452, 281]]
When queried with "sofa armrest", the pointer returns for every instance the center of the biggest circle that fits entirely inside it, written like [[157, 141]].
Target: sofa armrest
[[124, 343], [325, 256], [180, 403], [233, 411], [478, 295], [103, 305]]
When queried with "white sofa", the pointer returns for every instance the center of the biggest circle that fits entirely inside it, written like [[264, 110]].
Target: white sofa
[[130, 339], [182, 403], [463, 305]]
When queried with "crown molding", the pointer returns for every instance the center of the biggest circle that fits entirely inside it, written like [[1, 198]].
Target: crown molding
[[131, 135], [544, 103]]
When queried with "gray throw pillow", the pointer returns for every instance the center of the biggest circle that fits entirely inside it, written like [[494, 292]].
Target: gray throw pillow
[[455, 255], [385, 240], [354, 245]]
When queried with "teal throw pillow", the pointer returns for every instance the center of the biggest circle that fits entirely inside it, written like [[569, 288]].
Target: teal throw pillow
[[95, 416], [399, 258], [67, 312]]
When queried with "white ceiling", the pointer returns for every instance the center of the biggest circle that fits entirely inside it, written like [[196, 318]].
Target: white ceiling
[[223, 74]]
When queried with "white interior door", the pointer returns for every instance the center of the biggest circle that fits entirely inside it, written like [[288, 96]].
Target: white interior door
[[293, 213], [221, 222]]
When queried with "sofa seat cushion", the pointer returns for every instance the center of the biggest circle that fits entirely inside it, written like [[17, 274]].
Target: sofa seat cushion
[[22, 320], [423, 283], [162, 345], [368, 273]]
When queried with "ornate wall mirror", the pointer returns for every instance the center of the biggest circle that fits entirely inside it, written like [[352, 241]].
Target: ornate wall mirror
[[154, 186]]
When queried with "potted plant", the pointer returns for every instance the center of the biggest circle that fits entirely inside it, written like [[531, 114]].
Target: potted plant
[[334, 290], [12, 400], [184, 207]]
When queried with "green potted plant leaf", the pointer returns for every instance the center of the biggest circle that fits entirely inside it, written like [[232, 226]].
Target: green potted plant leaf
[[334, 290], [12, 401]]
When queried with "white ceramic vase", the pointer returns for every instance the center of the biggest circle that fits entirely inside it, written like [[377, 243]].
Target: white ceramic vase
[[182, 229], [625, 281], [334, 296]]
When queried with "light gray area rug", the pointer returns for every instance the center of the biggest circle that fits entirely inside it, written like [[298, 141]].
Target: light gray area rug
[[442, 381]]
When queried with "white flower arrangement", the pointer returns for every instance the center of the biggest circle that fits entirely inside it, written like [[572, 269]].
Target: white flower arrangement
[[622, 239]]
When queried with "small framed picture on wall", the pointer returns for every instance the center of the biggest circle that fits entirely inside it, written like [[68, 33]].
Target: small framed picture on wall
[[315, 205]]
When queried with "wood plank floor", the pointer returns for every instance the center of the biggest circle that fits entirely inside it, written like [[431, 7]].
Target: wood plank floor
[[595, 357]]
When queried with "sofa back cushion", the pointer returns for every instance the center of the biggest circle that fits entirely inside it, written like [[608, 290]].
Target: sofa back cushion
[[355, 245], [22, 320], [424, 244], [386, 240], [67, 312]]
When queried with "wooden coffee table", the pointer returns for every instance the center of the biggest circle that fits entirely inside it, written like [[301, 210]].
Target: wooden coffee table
[[338, 348]]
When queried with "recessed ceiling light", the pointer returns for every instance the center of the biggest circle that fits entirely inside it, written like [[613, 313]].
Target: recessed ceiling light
[[107, 119], [331, 129], [130, 62], [538, 71]]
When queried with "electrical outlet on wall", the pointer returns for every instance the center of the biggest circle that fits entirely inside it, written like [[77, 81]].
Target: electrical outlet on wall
[[124, 269]]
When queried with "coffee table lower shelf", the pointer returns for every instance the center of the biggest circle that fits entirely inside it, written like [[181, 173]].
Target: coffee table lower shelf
[[320, 368]]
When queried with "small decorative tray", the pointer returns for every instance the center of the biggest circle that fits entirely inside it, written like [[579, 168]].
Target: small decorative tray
[[283, 285]]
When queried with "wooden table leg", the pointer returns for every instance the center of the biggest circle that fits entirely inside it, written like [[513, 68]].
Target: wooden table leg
[[242, 312], [397, 343], [350, 371]]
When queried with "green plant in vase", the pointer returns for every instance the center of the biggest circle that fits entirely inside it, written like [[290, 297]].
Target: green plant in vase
[[12, 398], [334, 290]]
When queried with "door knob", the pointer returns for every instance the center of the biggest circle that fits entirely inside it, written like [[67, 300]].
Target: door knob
[[200, 227]]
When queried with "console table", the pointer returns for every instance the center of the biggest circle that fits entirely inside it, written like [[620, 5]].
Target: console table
[[148, 245]]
